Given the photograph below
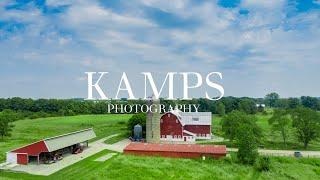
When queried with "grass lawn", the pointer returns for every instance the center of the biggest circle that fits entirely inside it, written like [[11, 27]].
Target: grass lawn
[[115, 139], [31, 130], [137, 167]]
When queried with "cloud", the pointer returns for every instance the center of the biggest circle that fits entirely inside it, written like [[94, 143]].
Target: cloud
[[257, 52]]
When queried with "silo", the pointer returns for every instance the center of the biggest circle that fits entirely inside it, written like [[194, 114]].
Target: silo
[[137, 132], [153, 121]]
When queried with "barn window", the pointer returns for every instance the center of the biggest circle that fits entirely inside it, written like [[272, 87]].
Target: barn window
[[176, 120], [195, 119], [175, 136], [179, 136], [168, 115], [161, 120]]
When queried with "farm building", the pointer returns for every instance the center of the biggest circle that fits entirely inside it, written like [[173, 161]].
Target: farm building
[[176, 150], [51, 149], [185, 126]]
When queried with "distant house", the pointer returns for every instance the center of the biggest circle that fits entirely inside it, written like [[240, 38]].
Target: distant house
[[185, 126], [47, 149], [260, 105]]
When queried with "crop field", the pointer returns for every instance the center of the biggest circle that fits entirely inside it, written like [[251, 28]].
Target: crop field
[[31, 130]]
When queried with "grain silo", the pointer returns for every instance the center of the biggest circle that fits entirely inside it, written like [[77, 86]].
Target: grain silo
[[137, 132], [153, 121]]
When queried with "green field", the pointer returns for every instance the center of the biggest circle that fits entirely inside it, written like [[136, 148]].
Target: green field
[[128, 167], [31, 130], [271, 140], [135, 167]]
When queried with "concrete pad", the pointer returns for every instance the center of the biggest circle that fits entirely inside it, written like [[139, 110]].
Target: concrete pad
[[106, 157], [119, 146]]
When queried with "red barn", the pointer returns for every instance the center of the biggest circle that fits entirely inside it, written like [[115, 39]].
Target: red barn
[[185, 126], [47, 148]]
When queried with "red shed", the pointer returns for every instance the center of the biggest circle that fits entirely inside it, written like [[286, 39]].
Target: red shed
[[176, 150], [47, 148]]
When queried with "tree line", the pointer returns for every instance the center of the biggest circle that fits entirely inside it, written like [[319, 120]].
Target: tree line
[[34, 108]]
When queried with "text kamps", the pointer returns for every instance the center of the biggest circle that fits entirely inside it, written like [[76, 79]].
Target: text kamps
[[125, 85]]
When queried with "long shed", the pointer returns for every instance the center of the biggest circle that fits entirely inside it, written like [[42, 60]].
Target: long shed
[[176, 150], [23, 154]]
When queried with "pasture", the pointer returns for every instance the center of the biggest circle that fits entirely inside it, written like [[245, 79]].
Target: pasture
[[271, 140]]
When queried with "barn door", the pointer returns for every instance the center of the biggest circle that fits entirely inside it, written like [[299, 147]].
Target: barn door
[[22, 159]]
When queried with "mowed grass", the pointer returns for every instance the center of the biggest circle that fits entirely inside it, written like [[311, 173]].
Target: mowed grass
[[271, 139], [31, 130], [138, 167]]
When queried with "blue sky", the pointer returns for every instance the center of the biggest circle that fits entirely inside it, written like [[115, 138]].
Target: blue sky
[[258, 46]]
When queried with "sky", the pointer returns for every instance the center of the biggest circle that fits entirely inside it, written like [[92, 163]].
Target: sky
[[46, 46]]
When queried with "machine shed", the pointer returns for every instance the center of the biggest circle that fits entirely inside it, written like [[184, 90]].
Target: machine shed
[[46, 147]]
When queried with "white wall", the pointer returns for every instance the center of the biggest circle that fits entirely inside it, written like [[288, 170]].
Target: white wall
[[12, 157], [169, 138]]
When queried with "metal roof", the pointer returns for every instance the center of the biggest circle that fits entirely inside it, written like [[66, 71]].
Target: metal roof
[[203, 118], [69, 139], [193, 118]]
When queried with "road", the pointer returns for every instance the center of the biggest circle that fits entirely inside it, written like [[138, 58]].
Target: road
[[289, 153]]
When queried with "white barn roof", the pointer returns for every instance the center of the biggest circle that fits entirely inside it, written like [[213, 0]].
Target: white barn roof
[[69, 139], [196, 118], [193, 118]]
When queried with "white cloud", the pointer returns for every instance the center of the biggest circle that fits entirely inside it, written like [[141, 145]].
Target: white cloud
[[86, 13]]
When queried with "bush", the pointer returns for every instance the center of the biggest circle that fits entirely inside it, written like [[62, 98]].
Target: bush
[[263, 164], [139, 118]]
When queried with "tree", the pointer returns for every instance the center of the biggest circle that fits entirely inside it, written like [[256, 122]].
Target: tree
[[221, 109], [247, 105], [247, 144], [280, 121], [139, 118], [307, 124], [310, 102], [293, 103], [271, 99], [281, 103], [6, 117], [232, 121]]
